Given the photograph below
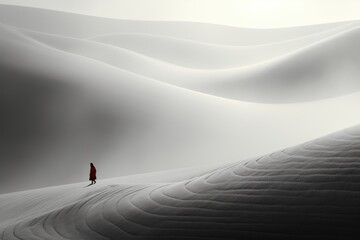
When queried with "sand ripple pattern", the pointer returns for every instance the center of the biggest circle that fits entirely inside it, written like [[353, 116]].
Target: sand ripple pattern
[[310, 191]]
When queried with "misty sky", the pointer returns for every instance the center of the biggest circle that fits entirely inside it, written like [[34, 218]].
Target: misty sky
[[242, 13]]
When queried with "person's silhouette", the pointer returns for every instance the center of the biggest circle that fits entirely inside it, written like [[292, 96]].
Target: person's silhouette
[[92, 177]]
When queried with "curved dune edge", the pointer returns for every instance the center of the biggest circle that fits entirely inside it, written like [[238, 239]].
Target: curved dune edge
[[315, 64], [202, 58], [185, 54], [322, 69], [311, 35], [309, 191], [61, 23]]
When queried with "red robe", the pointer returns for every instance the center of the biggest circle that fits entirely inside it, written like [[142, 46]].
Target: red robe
[[92, 174]]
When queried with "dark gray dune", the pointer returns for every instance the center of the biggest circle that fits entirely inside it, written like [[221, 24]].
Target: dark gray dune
[[310, 191]]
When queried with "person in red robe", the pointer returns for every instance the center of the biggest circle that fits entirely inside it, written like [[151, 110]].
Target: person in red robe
[[92, 177]]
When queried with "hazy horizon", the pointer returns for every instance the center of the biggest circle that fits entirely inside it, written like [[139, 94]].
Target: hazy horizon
[[244, 13]]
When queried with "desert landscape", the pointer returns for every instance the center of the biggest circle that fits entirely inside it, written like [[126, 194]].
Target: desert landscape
[[198, 130]]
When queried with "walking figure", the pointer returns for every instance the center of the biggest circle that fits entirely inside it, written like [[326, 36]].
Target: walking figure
[[92, 177]]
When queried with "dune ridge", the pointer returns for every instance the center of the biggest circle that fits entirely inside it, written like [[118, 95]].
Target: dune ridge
[[306, 71], [89, 26]]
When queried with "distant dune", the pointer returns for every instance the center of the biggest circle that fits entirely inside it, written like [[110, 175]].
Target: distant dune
[[310, 191], [81, 26], [267, 66]]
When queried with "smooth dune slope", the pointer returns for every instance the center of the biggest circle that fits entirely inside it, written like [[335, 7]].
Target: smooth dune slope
[[68, 99], [200, 55], [310, 191], [325, 68], [316, 66], [80, 109], [191, 55]]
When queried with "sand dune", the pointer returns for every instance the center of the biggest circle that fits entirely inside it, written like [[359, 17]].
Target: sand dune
[[199, 55], [191, 54], [137, 96], [80, 26], [309, 191], [140, 113], [309, 70]]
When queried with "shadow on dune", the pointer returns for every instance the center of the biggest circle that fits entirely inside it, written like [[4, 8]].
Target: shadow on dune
[[310, 191]]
